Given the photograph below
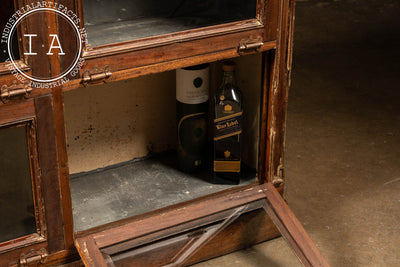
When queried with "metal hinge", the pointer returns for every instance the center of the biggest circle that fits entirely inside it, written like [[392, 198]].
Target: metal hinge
[[97, 75], [15, 90], [250, 45], [33, 257]]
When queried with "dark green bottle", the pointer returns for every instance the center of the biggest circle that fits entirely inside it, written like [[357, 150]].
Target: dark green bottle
[[227, 103], [192, 85]]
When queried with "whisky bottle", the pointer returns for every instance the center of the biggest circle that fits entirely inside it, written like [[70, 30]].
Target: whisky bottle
[[192, 85], [227, 128]]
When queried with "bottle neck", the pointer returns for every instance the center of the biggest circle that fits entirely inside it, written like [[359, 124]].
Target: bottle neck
[[228, 78]]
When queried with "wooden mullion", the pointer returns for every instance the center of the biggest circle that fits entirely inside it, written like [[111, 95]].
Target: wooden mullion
[[35, 179], [278, 94], [50, 183], [65, 188], [272, 15]]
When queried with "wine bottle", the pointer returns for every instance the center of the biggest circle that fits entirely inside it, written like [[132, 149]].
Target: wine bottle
[[192, 85], [227, 128]]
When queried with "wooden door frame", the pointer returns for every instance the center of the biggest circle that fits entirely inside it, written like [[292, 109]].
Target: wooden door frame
[[91, 247]]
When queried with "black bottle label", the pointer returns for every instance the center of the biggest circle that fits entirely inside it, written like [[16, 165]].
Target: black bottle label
[[227, 132], [228, 126]]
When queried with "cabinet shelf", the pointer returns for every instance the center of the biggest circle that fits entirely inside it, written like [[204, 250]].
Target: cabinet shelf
[[140, 186]]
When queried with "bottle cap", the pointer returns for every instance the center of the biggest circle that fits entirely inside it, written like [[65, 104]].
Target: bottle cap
[[228, 66]]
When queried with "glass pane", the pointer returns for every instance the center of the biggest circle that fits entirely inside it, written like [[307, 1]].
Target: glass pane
[[273, 253], [16, 198], [6, 11], [171, 251], [121, 20]]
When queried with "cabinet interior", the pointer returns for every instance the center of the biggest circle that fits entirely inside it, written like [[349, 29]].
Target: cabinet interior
[[109, 22], [121, 139]]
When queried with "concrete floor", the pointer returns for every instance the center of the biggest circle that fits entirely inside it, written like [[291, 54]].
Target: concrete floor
[[342, 160]]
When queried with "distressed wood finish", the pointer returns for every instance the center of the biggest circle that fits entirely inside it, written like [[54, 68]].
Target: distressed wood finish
[[165, 53], [49, 172], [48, 65], [278, 95], [63, 174], [250, 228], [13, 113], [267, 66], [178, 220], [95, 247], [169, 65], [185, 214]]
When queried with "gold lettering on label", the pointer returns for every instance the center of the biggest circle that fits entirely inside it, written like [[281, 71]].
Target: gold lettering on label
[[227, 125]]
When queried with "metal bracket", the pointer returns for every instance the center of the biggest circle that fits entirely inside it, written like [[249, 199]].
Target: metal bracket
[[250, 45], [97, 75], [15, 90], [33, 257]]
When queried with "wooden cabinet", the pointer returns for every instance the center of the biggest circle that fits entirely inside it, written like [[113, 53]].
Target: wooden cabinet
[[118, 112]]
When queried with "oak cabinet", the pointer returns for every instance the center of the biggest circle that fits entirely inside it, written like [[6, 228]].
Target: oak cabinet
[[98, 181]]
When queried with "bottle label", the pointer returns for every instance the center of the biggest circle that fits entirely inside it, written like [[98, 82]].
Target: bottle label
[[192, 141], [192, 86], [226, 166], [228, 126]]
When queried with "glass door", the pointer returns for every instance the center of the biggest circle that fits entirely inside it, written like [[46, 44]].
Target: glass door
[[21, 204], [16, 192], [33, 222], [109, 22], [126, 245]]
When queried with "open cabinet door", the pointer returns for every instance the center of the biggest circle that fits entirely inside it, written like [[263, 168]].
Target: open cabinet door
[[291, 229], [173, 238]]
